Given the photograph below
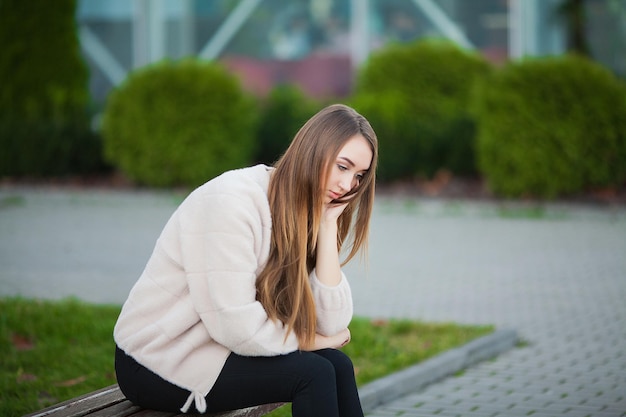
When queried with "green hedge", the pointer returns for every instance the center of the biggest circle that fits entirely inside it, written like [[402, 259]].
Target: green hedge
[[398, 145], [44, 124], [552, 126], [178, 123], [430, 83], [282, 114]]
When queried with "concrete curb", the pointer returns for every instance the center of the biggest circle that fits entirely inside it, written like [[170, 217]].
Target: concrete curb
[[417, 377]]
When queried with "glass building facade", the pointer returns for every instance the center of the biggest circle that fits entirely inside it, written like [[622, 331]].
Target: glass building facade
[[319, 44]]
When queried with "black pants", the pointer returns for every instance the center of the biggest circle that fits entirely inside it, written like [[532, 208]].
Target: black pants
[[319, 383]]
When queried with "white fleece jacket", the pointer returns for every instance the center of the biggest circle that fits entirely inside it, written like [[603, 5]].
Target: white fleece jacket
[[195, 301]]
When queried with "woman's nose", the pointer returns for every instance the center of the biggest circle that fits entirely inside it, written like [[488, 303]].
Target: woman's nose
[[345, 183]]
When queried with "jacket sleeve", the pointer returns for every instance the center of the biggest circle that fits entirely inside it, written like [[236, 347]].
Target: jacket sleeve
[[222, 250], [333, 305]]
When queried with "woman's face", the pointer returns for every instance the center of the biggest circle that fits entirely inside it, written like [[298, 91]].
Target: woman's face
[[347, 170]]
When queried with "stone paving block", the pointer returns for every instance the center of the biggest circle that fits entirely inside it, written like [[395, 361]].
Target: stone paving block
[[613, 411], [579, 413], [515, 398], [591, 409], [457, 414], [486, 409], [382, 413], [524, 413], [593, 398]]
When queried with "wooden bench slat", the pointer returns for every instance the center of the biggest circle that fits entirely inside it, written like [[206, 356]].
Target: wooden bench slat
[[83, 405], [142, 412], [123, 409], [256, 411], [110, 402]]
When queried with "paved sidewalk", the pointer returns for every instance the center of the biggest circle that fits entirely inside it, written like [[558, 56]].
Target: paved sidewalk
[[555, 274]]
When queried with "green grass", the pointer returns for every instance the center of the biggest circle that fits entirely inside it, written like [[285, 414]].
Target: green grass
[[51, 351]]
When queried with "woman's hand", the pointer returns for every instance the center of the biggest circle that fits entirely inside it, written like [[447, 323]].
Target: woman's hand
[[331, 212], [333, 342]]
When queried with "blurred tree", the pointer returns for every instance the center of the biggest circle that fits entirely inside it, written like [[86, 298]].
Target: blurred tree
[[44, 125]]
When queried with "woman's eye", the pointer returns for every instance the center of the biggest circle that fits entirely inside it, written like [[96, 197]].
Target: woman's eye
[[342, 167]]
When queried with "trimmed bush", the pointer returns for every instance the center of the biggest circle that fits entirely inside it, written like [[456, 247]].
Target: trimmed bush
[[387, 113], [284, 111], [551, 127], [44, 121], [178, 123], [431, 82]]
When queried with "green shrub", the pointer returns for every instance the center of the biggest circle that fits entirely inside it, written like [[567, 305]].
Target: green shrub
[[44, 122], [284, 111], [178, 123], [43, 148], [430, 81], [398, 143], [552, 126]]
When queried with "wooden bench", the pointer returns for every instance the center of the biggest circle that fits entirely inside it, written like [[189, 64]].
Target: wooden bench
[[110, 402]]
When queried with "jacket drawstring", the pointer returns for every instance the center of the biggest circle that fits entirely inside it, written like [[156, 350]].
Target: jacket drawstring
[[199, 400]]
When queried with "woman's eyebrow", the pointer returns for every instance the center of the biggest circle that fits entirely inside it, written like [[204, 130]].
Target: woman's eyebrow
[[348, 160], [352, 164]]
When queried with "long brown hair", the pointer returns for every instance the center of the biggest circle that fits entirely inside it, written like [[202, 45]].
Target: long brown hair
[[296, 200]]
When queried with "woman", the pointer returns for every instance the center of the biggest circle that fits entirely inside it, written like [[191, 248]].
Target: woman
[[243, 301]]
